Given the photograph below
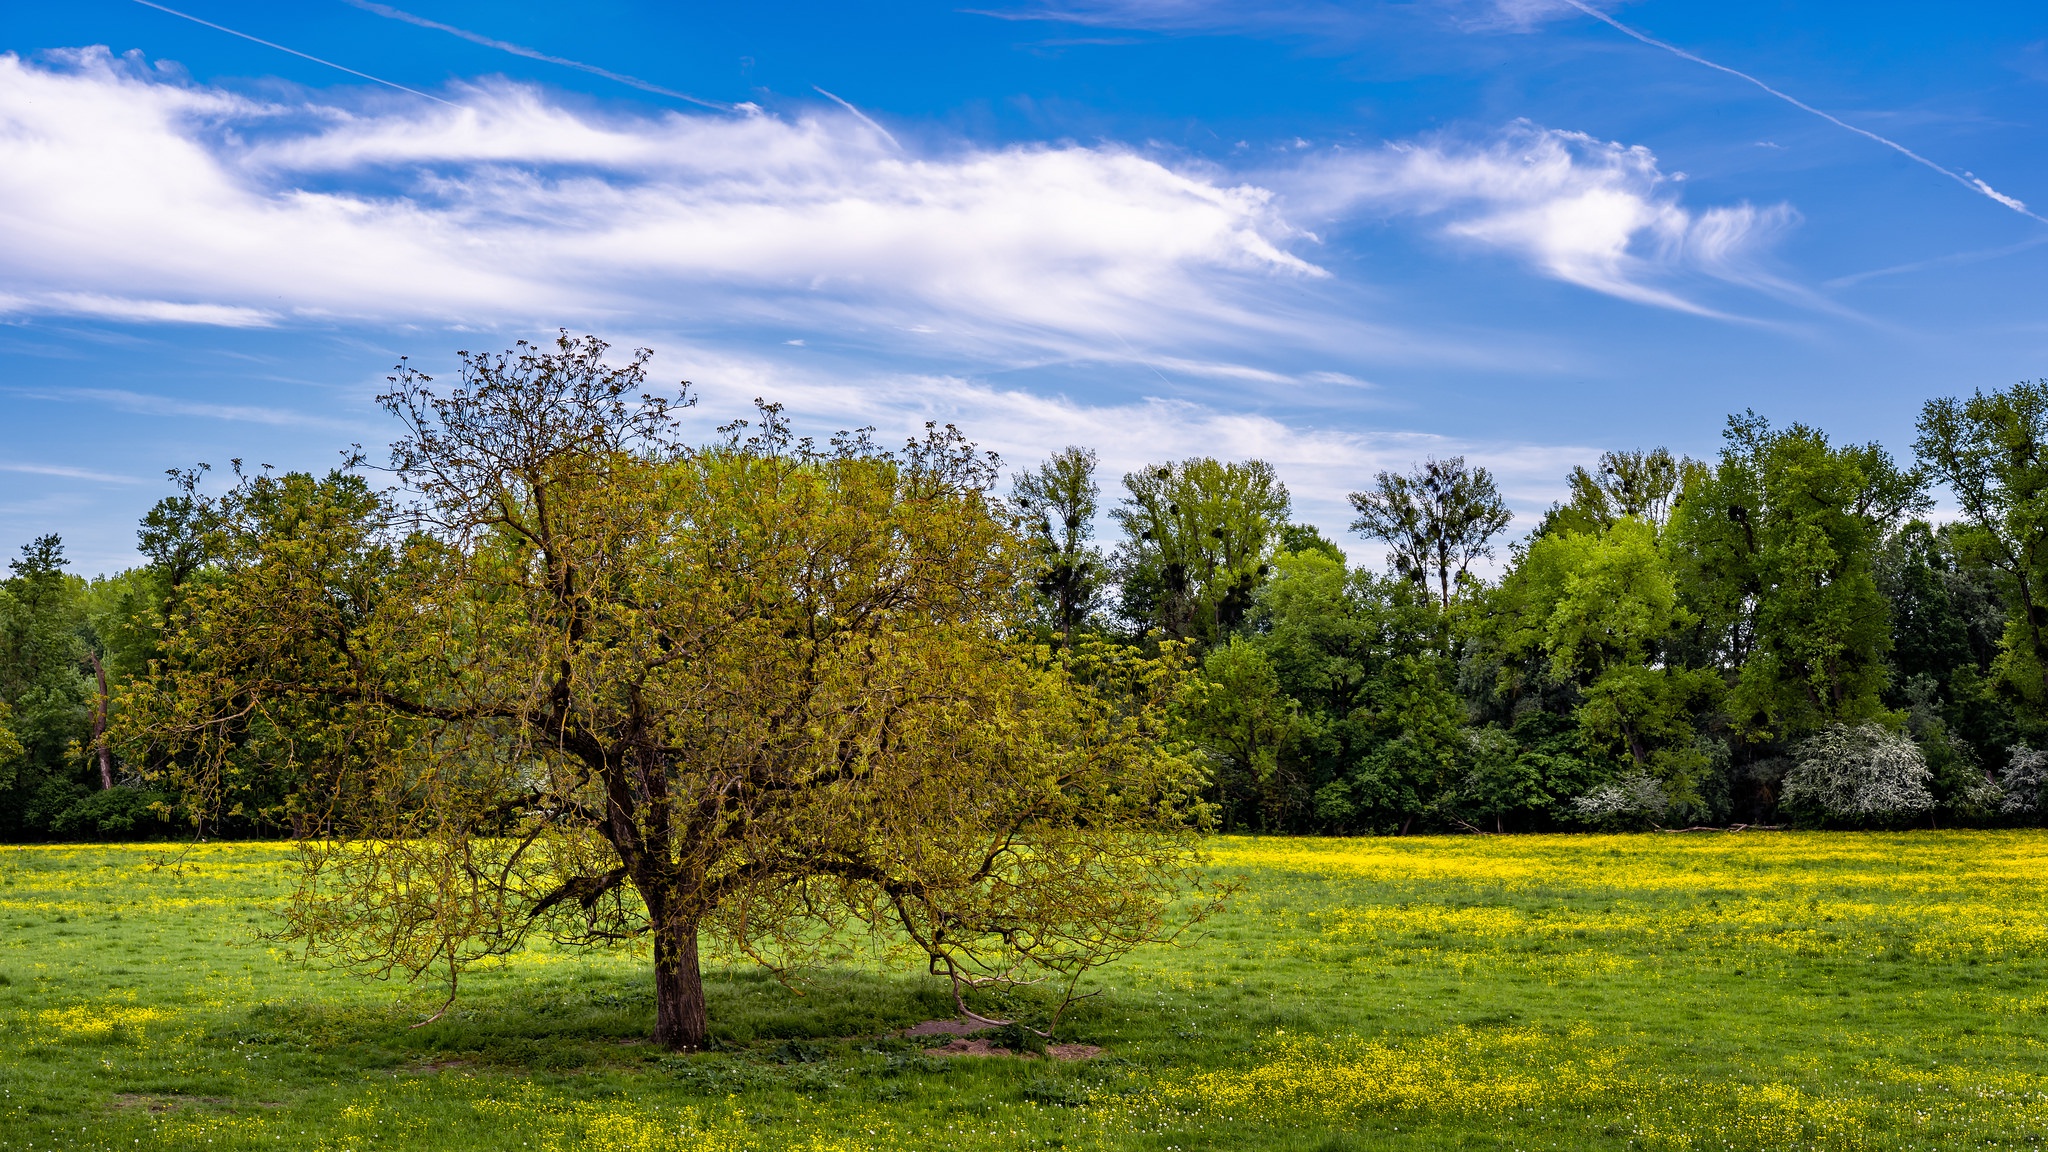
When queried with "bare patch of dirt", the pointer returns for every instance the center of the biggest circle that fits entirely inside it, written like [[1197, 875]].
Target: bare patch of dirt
[[944, 1028], [966, 1042], [434, 1066]]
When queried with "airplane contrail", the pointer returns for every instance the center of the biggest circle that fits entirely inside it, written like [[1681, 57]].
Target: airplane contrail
[[861, 116], [293, 51], [1966, 179], [391, 13]]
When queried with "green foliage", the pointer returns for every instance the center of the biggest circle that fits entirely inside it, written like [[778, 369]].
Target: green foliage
[[1197, 538], [1776, 551], [44, 690], [1625, 485], [1991, 451], [1378, 729], [1435, 520], [1057, 503], [603, 684], [1595, 612], [1239, 713], [1672, 632], [1308, 538]]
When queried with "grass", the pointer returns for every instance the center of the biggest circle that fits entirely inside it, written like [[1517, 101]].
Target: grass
[[1751, 991]]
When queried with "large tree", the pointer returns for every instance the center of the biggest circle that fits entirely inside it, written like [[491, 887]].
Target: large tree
[[1058, 501], [45, 694], [1775, 553], [1197, 538], [1599, 610], [596, 682], [1992, 452], [1435, 520]]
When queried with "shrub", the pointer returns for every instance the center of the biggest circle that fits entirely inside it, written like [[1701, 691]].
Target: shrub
[[110, 813], [2024, 781], [1632, 801], [1860, 774]]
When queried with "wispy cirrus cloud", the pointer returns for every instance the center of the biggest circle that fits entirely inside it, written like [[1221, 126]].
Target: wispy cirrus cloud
[[67, 472], [127, 196], [116, 186], [1334, 24], [390, 13], [1594, 213], [146, 404], [100, 305]]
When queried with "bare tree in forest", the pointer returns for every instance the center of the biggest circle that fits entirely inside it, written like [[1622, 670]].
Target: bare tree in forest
[[600, 684], [1435, 520]]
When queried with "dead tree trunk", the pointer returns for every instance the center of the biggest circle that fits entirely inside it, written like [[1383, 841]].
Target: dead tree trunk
[[99, 723], [681, 1022]]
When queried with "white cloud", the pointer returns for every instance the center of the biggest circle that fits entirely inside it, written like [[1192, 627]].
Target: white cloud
[[68, 472], [143, 403], [129, 196], [127, 308], [124, 195], [1323, 21], [1597, 214]]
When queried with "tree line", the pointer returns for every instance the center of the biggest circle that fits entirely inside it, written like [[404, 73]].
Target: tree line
[[1778, 634]]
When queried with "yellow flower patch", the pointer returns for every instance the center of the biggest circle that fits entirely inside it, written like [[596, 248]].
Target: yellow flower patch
[[97, 1021]]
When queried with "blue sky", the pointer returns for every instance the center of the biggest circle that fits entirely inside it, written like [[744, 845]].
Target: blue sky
[[1337, 235]]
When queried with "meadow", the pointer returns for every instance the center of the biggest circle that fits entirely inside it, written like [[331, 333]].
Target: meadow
[[1706, 991]]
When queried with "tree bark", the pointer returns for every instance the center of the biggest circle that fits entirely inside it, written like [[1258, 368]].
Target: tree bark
[[99, 724], [680, 1020]]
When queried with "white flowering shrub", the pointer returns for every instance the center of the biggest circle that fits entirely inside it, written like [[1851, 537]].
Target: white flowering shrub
[[1861, 774], [1630, 800], [2023, 780]]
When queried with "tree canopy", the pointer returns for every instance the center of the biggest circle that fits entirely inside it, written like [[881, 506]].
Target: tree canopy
[[590, 680]]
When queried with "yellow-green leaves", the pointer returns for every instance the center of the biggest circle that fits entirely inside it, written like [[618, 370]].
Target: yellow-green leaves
[[599, 684], [1589, 601]]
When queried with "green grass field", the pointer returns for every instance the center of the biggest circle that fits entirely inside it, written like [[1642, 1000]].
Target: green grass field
[[1753, 990]]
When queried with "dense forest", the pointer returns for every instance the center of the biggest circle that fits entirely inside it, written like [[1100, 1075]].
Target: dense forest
[[1778, 635]]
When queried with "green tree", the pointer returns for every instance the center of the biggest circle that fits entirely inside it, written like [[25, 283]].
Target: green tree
[[1058, 502], [601, 684], [1435, 520], [1197, 539], [1598, 610], [1639, 485], [1948, 624], [1504, 778], [1776, 552], [1992, 452], [43, 645], [1308, 538], [1242, 719], [1377, 728]]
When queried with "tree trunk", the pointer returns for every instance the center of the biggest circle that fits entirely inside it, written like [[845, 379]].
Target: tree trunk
[[99, 724], [680, 1020]]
